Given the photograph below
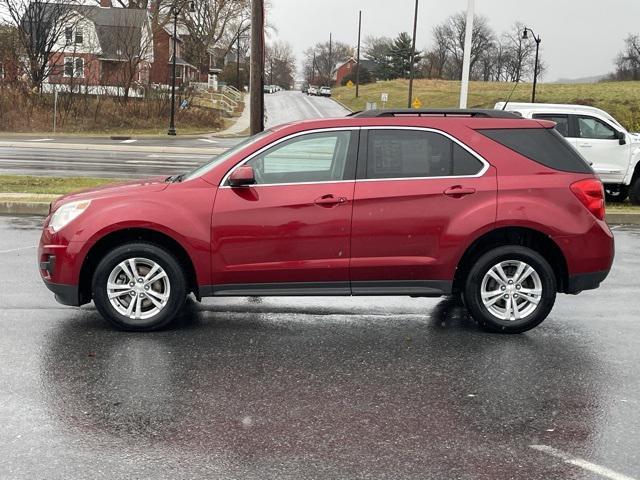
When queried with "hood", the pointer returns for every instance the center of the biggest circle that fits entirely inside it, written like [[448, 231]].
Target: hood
[[155, 184]]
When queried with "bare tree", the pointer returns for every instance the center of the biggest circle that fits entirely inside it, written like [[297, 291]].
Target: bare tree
[[520, 54], [377, 50], [325, 59], [628, 60], [450, 36], [280, 64], [209, 23], [42, 30]]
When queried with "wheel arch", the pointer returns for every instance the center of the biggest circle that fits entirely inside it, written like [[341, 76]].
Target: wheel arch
[[522, 236], [128, 235]]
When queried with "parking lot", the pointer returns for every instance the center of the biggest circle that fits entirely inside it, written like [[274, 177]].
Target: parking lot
[[389, 387]]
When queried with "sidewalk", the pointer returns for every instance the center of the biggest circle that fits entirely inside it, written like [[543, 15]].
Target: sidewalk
[[241, 124]]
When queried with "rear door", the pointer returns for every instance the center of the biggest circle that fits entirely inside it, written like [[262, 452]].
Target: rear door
[[418, 195], [563, 125], [288, 233]]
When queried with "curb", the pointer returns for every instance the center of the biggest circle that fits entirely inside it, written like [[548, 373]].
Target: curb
[[104, 147], [341, 104], [8, 207]]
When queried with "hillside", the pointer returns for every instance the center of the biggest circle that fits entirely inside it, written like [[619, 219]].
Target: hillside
[[620, 99]]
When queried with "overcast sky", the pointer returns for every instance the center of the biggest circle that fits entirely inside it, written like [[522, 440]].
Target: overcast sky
[[580, 38]]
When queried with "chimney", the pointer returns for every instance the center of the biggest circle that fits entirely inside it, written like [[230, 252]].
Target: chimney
[[105, 3]]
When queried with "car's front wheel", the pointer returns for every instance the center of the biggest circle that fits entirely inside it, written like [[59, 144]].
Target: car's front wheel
[[139, 287], [510, 289]]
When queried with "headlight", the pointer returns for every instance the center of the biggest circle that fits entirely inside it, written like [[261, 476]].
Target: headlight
[[67, 213]]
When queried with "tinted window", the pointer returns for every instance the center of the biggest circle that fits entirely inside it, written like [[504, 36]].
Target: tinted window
[[412, 153], [562, 122], [542, 145], [316, 157], [589, 127]]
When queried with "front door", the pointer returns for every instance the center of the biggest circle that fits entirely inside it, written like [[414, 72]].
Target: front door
[[421, 193], [288, 233], [598, 142]]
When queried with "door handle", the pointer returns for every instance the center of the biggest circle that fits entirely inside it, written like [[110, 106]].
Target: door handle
[[329, 200], [458, 191], [585, 145]]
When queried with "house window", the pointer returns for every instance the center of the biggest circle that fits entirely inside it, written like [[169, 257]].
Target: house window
[[68, 35], [79, 36], [74, 67]]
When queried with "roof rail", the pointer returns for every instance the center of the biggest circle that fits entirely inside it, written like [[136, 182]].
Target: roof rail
[[435, 112]]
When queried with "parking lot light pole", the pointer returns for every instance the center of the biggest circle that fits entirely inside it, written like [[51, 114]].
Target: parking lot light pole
[[172, 123], [537, 39], [413, 56], [358, 55]]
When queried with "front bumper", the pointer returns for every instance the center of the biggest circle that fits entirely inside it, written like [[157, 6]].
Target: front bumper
[[65, 294]]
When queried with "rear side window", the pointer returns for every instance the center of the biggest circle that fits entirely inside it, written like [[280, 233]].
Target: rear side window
[[562, 121], [413, 153], [542, 145]]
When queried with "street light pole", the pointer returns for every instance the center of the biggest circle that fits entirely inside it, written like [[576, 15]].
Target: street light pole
[[535, 66], [358, 55], [172, 124], [330, 59], [413, 55]]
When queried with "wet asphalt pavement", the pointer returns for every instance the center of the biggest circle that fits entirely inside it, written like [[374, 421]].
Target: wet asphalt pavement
[[317, 388]]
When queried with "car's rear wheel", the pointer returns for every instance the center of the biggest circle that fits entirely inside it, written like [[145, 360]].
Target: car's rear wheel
[[616, 193], [510, 289], [139, 287], [634, 192]]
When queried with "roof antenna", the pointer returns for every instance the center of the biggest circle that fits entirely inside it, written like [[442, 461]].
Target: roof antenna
[[509, 97]]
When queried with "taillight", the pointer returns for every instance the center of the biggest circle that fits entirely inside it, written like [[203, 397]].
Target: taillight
[[591, 193]]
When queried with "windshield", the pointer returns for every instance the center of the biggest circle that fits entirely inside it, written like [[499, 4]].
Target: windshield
[[224, 156]]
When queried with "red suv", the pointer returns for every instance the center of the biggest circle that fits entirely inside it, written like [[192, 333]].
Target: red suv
[[499, 209]]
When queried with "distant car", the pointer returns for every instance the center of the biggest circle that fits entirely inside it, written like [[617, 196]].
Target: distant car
[[478, 203], [613, 151], [267, 89], [313, 90], [304, 89], [325, 92]]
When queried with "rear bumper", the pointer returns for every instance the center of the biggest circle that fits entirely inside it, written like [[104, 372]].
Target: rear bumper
[[65, 294], [585, 281]]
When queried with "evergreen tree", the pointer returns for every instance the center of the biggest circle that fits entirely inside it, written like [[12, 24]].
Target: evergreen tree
[[400, 55]]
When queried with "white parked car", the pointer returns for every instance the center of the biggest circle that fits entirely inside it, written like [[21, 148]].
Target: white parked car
[[313, 90], [325, 92], [613, 152]]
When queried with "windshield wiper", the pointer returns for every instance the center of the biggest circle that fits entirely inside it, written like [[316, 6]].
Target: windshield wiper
[[175, 178]]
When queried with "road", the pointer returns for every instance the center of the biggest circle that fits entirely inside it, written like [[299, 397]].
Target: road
[[317, 388], [135, 158]]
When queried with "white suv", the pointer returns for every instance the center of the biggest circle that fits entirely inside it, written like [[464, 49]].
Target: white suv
[[613, 152]]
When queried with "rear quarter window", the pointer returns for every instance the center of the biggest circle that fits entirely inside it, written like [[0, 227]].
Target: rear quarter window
[[542, 145]]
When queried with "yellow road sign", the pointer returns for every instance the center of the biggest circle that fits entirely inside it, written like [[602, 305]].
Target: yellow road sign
[[416, 103], [349, 83]]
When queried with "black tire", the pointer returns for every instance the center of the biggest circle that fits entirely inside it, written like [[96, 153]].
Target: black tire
[[177, 286], [474, 282], [634, 192], [616, 193]]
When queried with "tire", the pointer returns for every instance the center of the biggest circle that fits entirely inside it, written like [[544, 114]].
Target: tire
[[616, 193], [500, 316], [634, 191], [160, 299]]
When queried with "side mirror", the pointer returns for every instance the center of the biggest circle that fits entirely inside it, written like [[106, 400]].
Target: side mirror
[[622, 138], [242, 176]]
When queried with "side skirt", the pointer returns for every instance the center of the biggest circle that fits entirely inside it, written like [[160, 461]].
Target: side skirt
[[416, 288]]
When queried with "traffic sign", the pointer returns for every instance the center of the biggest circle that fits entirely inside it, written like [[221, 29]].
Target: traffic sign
[[416, 103], [384, 97], [349, 84]]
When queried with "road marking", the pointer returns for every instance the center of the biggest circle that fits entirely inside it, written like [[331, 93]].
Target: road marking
[[130, 140], [208, 140], [320, 115], [582, 463], [40, 140], [16, 249], [174, 155]]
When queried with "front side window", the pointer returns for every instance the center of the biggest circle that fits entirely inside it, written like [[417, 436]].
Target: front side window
[[414, 153], [590, 127], [562, 122], [314, 157]]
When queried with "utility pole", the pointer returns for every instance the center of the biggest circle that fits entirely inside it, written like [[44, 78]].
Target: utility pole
[[271, 70], [257, 67], [313, 68], [358, 55], [466, 58], [238, 62], [172, 123], [413, 56], [330, 60]]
